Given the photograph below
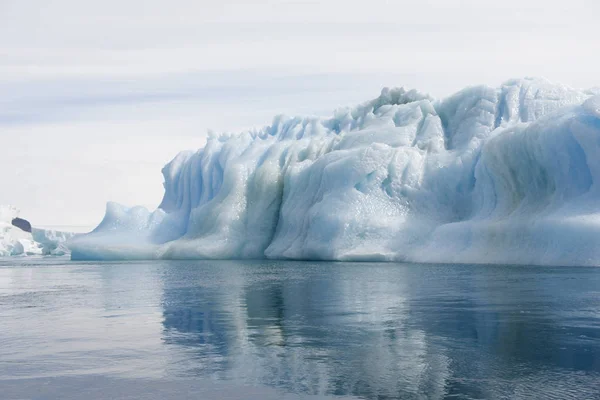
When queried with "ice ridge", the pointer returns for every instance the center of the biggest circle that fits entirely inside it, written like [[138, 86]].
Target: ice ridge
[[487, 175]]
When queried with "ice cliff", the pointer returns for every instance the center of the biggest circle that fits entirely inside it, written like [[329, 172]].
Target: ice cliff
[[17, 242], [488, 175]]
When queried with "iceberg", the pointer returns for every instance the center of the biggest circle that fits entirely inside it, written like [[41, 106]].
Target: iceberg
[[487, 175], [15, 241], [52, 242]]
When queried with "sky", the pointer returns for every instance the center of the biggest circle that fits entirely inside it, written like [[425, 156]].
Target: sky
[[95, 97]]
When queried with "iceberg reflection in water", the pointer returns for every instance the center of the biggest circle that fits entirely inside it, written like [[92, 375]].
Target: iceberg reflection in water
[[365, 330]]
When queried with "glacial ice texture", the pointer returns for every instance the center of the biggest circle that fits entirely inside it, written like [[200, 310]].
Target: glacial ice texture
[[16, 242], [488, 175]]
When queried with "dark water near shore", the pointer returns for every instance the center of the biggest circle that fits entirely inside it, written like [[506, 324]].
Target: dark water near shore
[[270, 330]]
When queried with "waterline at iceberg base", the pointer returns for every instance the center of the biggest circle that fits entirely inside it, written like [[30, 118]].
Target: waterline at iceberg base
[[488, 175]]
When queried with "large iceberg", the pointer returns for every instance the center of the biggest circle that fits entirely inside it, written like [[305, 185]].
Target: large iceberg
[[15, 241], [488, 175]]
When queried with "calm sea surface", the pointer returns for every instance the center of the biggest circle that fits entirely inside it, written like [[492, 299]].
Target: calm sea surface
[[295, 330]]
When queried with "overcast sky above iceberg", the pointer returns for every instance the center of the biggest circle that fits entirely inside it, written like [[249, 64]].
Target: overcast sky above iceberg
[[95, 97]]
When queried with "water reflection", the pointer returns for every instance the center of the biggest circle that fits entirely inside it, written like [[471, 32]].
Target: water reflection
[[386, 331], [376, 331]]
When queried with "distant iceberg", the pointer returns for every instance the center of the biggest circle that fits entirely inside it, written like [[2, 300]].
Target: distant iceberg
[[15, 241], [488, 175]]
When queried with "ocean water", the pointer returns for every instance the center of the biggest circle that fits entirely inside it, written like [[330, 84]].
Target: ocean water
[[295, 330]]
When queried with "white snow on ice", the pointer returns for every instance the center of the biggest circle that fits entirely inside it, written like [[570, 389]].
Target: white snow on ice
[[488, 175], [16, 242]]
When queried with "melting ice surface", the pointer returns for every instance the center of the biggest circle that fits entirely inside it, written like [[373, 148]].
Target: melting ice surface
[[495, 175]]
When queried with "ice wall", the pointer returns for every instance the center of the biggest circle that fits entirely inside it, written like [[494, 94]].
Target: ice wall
[[492, 175]]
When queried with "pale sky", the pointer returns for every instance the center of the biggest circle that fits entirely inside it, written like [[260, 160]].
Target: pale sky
[[96, 96]]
